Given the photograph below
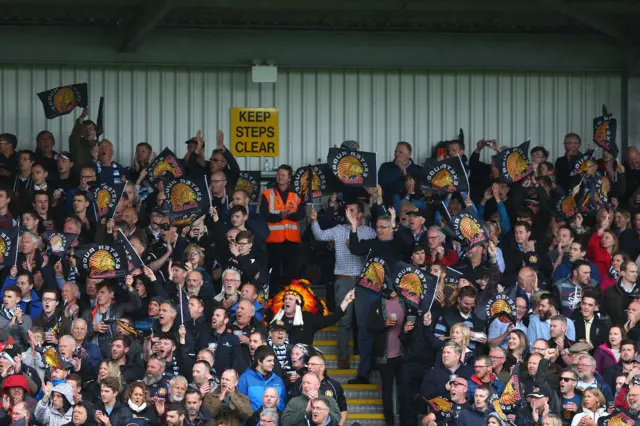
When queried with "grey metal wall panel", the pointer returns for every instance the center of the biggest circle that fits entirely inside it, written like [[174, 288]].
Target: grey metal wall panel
[[318, 108]]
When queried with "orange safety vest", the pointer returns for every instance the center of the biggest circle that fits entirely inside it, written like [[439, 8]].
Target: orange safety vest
[[285, 229]]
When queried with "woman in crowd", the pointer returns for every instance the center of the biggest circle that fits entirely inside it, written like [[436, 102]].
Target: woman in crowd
[[137, 398], [608, 354], [517, 347], [594, 406]]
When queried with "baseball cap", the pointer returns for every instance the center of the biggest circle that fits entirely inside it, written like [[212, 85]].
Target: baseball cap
[[538, 393], [65, 154], [277, 325], [417, 212]]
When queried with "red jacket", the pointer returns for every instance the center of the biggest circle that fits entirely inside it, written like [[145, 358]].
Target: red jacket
[[599, 255], [450, 258]]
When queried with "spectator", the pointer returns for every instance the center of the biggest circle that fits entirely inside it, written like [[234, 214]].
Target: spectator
[[110, 410], [139, 402], [390, 174], [56, 406], [270, 401], [297, 408], [593, 407], [259, 377], [227, 403]]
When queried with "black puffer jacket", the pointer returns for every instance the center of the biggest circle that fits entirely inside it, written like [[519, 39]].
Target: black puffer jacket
[[120, 415]]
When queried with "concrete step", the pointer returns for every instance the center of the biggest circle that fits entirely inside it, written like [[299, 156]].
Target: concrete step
[[328, 347], [342, 376], [361, 391], [368, 419], [354, 360], [364, 405]]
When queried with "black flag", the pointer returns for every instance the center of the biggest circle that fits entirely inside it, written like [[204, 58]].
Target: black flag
[[100, 119], [444, 177], [186, 200], [376, 277], [102, 260], [513, 163], [165, 166], [134, 261], [605, 129], [466, 227], [354, 168], [62, 100], [106, 198], [9, 246]]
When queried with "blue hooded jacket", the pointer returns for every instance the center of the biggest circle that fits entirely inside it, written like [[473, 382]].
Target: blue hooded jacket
[[253, 384], [35, 305]]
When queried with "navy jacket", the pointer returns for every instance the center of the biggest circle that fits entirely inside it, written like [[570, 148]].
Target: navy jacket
[[391, 181], [435, 380], [227, 352]]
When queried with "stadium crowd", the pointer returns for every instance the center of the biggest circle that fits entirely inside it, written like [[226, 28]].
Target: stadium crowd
[[212, 321]]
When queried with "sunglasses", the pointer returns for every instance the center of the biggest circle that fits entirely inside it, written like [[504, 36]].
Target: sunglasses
[[567, 379]]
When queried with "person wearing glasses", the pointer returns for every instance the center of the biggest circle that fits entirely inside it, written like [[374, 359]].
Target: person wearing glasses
[[268, 417], [587, 373], [457, 388], [328, 387], [498, 357], [565, 164], [299, 408], [484, 376], [571, 400]]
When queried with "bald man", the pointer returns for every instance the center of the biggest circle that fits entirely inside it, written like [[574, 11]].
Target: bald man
[[627, 400]]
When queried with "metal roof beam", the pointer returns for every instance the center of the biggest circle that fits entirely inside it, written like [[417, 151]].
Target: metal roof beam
[[586, 18], [141, 27]]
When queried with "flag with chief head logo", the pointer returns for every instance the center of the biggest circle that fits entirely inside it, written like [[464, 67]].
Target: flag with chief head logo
[[513, 163], [62, 100], [605, 129], [186, 200], [165, 166], [466, 227], [102, 260], [9, 245], [353, 168], [445, 176]]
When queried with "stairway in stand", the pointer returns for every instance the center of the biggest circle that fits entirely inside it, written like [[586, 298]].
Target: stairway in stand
[[364, 401]]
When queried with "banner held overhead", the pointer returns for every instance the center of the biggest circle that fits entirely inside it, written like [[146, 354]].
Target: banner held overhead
[[254, 132]]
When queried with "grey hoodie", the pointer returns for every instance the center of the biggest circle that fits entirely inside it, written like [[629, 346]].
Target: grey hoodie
[[46, 414]]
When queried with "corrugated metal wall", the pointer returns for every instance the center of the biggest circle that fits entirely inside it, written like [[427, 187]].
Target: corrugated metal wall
[[318, 108]]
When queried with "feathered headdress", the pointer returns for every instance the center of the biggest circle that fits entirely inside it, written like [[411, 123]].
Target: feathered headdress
[[307, 301]]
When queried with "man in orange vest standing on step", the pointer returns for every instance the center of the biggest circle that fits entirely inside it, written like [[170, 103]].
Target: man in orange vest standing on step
[[282, 209]]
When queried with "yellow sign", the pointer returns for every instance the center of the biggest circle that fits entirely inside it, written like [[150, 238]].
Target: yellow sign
[[254, 132]]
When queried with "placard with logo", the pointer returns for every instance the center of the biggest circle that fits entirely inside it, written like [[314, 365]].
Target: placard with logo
[[254, 132], [9, 246]]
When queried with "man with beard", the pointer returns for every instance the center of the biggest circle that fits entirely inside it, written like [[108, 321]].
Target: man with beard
[[226, 344], [226, 403], [627, 403], [197, 415], [177, 389], [539, 325], [229, 295], [462, 313], [51, 320], [176, 362], [154, 378], [628, 353], [586, 368], [202, 379], [175, 415], [119, 348]]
